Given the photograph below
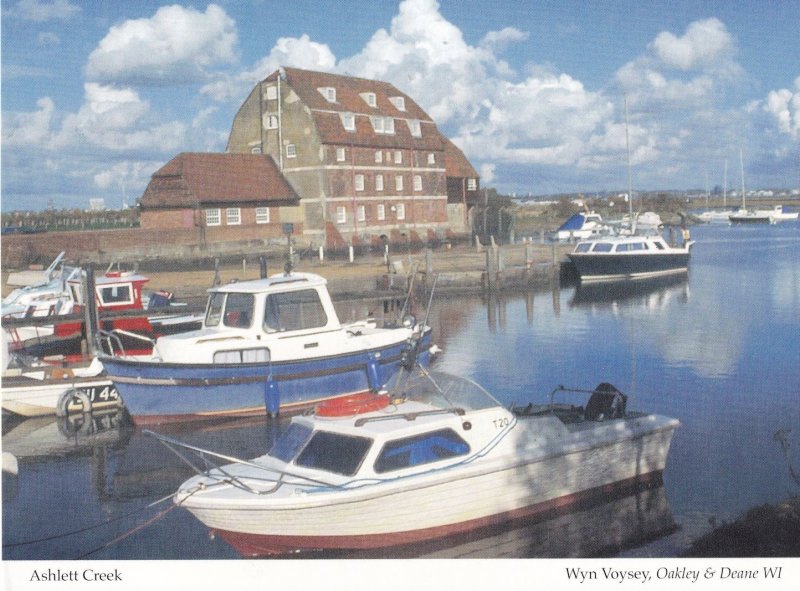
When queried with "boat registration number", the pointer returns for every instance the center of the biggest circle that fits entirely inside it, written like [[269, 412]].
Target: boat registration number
[[100, 393]]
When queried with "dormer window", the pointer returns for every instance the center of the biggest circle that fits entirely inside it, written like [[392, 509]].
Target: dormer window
[[399, 102], [348, 121], [370, 98], [414, 127], [382, 124], [329, 93]]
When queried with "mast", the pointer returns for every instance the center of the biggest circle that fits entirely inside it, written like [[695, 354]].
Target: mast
[[725, 186], [741, 170], [628, 150]]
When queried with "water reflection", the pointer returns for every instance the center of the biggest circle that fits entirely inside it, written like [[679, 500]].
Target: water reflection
[[651, 295]]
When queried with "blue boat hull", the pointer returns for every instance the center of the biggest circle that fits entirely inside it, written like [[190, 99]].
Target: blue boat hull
[[155, 392]]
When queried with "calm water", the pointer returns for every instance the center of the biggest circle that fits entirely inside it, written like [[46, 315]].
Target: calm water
[[720, 350]]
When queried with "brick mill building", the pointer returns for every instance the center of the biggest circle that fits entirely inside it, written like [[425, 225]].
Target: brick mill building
[[344, 160]]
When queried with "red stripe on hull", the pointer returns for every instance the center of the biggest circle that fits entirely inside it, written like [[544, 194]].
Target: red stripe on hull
[[254, 545]]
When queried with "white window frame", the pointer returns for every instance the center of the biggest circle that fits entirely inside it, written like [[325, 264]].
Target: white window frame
[[358, 182], [398, 156], [370, 98], [272, 122], [398, 182], [348, 121], [213, 216], [377, 123], [329, 92], [400, 211], [341, 214], [262, 215], [389, 125], [399, 102], [378, 156], [431, 158], [414, 127], [361, 213], [255, 150], [472, 184], [379, 182], [291, 151], [233, 216], [341, 154], [417, 182], [272, 93], [381, 212]]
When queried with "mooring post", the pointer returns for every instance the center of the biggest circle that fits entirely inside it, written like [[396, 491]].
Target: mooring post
[[262, 267], [91, 321]]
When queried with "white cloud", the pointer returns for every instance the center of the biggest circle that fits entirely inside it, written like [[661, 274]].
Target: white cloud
[[706, 43], [297, 52], [39, 12], [176, 45], [20, 129], [784, 106], [48, 39]]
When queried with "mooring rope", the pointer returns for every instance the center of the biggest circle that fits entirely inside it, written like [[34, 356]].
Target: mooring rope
[[89, 528]]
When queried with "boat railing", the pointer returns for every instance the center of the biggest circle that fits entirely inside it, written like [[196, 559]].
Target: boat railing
[[409, 416], [604, 402], [112, 338], [209, 466]]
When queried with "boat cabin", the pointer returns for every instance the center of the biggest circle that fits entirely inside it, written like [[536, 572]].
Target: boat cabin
[[632, 245]]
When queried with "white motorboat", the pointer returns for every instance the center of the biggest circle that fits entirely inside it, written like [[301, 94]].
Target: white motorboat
[[435, 456], [581, 225]]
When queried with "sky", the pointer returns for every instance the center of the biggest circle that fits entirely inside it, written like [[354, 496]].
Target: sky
[[97, 95]]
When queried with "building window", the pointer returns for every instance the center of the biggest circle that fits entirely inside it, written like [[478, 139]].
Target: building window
[[233, 216], [472, 184], [370, 99], [381, 213], [272, 122], [400, 211], [377, 124], [213, 217], [329, 93], [398, 157], [341, 214], [414, 127], [348, 121], [341, 155], [361, 213], [389, 125], [359, 182], [255, 150], [272, 93], [291, 151], [417, 182], [379, 182], [262, 215], [399, 102], [398, 182], [378, 156], [431, 158]]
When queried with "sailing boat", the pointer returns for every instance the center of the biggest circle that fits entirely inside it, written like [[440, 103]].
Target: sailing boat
[[622, 257], [743, 216]]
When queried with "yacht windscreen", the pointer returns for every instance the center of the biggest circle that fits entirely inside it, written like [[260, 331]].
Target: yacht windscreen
[[334, 452]]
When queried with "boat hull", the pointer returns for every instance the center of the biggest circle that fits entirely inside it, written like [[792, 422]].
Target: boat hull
[[156, 392], [34, 398], [613, 267], [530, 478]]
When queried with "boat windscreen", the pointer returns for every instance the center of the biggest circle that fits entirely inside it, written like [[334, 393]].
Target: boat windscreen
[[440, 389]]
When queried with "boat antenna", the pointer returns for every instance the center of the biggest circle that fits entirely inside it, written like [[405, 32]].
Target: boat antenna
[[628, 150]]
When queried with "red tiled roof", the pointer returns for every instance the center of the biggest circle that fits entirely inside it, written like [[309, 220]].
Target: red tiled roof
[[193, 178], [455, 163], [349, 99]]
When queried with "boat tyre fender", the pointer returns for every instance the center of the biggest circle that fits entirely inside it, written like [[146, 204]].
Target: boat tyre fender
[[67, 397], [353, 404]]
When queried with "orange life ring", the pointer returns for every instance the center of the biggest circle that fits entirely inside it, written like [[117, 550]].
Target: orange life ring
[[354, 404]]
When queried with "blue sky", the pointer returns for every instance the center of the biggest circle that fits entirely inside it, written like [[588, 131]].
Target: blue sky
[[96, 96]]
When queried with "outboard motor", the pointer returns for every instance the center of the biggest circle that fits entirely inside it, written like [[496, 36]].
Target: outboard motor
[[606, 402]]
